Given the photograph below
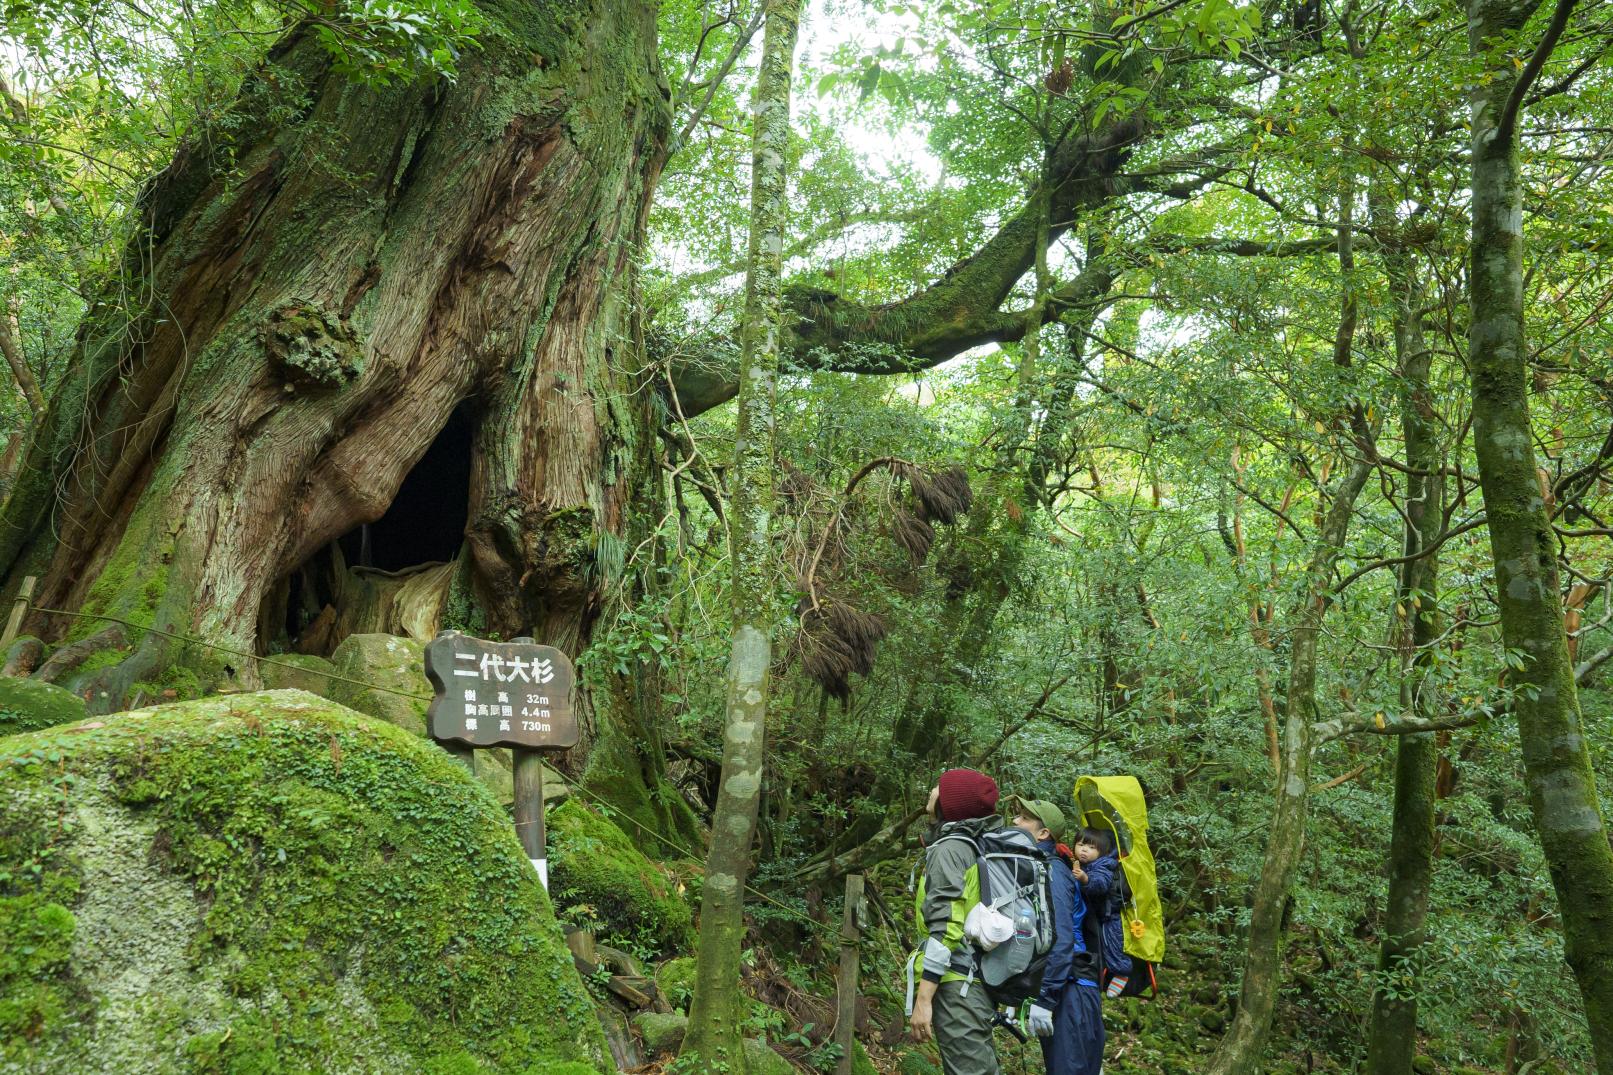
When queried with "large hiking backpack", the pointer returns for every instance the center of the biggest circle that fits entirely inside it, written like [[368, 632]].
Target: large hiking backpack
[[1013, 875]]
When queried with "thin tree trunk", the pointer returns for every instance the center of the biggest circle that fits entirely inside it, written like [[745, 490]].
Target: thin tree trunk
[[1392, 1040], [11, 347], [1557, 763], [713, 1041], [1242, 1049]]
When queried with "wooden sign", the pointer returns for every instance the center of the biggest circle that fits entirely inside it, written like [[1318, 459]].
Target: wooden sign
[[500, 694]]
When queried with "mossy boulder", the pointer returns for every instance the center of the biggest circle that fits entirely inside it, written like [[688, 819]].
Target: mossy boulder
[[298, 671], [760, 1059], [662, 1033], [270, 883], [675, 980], [27, 705], [593, 864], [396, 666], [401, 694]]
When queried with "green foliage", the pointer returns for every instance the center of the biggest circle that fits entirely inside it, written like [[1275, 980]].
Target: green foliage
[[1126, 607]]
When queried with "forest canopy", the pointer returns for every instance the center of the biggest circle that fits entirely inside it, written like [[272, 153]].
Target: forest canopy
[[1215, 392]]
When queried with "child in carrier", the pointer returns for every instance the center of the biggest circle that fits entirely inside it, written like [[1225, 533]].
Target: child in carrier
[[1103, 887]]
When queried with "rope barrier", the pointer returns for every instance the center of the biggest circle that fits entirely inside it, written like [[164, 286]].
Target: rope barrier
[[224, 649], [571, 782]]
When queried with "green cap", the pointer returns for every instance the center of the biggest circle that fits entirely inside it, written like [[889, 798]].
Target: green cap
[[1045, 812]]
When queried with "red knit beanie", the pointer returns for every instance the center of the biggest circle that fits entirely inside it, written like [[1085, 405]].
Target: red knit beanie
[[966, 793]]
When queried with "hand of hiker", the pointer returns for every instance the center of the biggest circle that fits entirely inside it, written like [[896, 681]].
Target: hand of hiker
[[918, 1023], [1040, 1021]]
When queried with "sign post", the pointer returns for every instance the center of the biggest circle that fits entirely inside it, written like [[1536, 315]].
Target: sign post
[[494, 694], [529, 809]]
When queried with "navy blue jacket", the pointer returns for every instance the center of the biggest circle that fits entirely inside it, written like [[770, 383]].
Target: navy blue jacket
[[1068, 911], [1102, 893]]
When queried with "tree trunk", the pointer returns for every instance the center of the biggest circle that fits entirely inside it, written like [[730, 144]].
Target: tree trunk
[[317, 299], [1240, 1050], [1392, 1040], [714, 1041], [1557, 764]]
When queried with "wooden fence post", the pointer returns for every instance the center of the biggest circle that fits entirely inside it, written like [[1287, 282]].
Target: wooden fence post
[[19, 609], [846, 990]]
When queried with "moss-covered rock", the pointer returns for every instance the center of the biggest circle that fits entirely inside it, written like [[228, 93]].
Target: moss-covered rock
[[592, 863], [298, 671], [269, 883], [396, 666], [675, 980], [760, 1059], [662, 1033], [27, 705]]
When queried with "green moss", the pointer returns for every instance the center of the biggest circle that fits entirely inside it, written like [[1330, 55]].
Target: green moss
[[915, 1063], [613, 777], [662, 1033], [594, 864], [39, 880], [298, 671], [388, 661], [176, 683], [286, 883], [132, 584], [311, 347], [27, 705], [675, 980], [461, 612], [760, 1059], [101, 658]]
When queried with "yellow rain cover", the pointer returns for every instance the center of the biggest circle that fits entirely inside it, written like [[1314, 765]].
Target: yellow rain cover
[[1116, 803]]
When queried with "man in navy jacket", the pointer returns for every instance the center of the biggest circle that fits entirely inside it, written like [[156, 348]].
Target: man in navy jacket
[[1068, 1014]]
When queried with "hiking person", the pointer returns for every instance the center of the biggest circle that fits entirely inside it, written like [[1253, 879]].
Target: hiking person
[[963, 803], [1103, 887], [1067, 1014]]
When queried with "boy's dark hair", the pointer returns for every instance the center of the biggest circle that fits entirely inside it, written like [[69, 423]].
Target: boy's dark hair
[[1099, 839]]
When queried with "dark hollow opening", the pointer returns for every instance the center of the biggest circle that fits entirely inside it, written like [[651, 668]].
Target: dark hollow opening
[[426, 520], [424, 524]]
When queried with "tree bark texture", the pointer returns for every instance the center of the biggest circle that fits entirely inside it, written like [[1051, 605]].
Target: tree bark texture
[[714, 1040], [319, 295], [1392, 1038], [1557, 763]]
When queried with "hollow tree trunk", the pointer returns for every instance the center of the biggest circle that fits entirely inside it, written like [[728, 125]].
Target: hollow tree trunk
[[315, 300], [1556, 758], [714, 1041], [1392, 1039]]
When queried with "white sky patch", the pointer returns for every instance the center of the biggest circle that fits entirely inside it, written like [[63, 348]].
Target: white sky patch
[[830, 25]]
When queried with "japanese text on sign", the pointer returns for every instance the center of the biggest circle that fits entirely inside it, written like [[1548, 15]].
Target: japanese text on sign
[[500, 693]]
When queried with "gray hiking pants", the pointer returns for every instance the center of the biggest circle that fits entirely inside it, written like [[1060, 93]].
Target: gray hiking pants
[[963, 1030]]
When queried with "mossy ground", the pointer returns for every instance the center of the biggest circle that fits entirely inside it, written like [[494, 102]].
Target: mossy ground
[[594, 866], [269, 883]]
